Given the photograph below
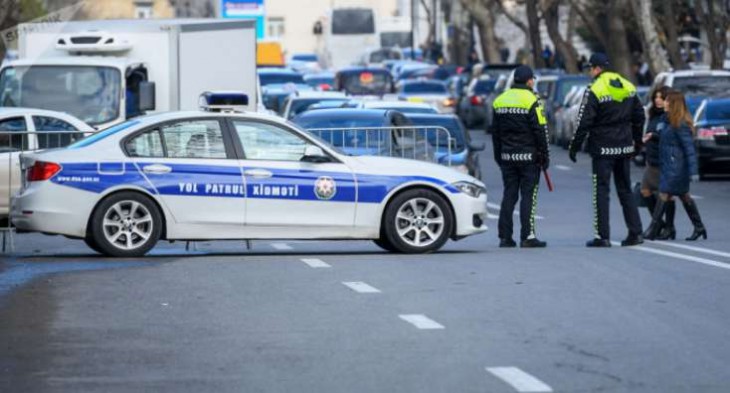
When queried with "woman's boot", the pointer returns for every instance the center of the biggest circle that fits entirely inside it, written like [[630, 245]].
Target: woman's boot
[[652, 232], [668, 231], [694, 215]]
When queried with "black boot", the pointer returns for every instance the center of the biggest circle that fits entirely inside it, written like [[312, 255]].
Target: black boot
[[668, 231], [651, 203], [652, 232], [694, 215]]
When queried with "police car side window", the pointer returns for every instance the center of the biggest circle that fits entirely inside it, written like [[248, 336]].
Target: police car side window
[[194, 139], [146, 144], [262, 141]]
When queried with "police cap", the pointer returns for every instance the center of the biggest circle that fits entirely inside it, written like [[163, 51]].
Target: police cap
[[598, 60], [523, 74]]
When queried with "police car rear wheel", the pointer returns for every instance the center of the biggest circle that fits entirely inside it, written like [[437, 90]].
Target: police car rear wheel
[[127, 224], [418, 221]]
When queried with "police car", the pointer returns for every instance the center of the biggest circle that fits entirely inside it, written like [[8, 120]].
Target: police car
[[214, 176]]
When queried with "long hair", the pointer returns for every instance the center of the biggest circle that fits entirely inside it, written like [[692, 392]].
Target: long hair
[[677, 111], [653, 110]]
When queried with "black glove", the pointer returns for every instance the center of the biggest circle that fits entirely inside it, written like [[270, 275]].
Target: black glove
[[543, 161], [638, 147], [572, 154]]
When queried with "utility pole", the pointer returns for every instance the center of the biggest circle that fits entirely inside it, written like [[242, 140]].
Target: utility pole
[[413, 29]]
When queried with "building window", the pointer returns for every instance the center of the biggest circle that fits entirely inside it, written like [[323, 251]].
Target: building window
[[143, 9], [276, 27]]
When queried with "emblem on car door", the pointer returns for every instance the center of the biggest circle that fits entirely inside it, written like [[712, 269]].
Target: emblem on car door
[[325, 187]]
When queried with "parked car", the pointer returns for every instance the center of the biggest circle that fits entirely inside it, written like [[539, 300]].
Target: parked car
[[499, 87], [566, 120], [429, 91], [21, 129], [552, 90], [364, 81], [273, 95], [696, 85], [300, 101], [280, 76], [473, 108], [305, 63], [366, 132], [324, 81], [464, 155], [400, 106], [712, 123]]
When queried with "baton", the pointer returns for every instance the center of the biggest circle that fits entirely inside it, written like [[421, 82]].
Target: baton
[[548, 180]]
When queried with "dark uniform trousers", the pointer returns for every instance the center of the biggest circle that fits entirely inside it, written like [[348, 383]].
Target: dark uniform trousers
[[520, 181], [603, 167]]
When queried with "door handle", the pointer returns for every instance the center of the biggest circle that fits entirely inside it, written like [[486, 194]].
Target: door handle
[[156, 169], [258, 173]]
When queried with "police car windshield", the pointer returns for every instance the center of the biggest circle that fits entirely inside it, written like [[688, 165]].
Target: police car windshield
[[425, 87], [280, 78]]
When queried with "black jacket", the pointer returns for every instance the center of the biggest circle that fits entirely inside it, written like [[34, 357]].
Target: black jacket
[[652, 146], [611, 116], [519, 130]]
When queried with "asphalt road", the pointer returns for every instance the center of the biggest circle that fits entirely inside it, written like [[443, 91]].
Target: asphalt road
[[347, 317]]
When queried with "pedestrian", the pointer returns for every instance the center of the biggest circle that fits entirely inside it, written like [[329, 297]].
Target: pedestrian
[[612, 118], [520, 138], [650, 180], [678, 167]]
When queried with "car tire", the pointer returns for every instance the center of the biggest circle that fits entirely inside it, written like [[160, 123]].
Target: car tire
[[91, 243], [127, 224], [384, 244], [418, 221]]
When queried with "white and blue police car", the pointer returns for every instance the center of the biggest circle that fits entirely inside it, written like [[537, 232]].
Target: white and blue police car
[[220, 175]]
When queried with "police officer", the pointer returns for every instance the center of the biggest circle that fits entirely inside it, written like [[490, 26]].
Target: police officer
[[612, 117], [519, 134]]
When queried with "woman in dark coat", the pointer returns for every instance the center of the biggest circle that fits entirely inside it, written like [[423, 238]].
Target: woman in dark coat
[[650, 180], [678, 166]]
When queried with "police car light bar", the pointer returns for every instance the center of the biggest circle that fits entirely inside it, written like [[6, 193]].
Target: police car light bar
[[220, 101]]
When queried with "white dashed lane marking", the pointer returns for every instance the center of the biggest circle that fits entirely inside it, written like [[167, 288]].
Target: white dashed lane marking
[[421, 321], [361, 287], [315, 263], [562, 167], [519, 380], [281, 246]]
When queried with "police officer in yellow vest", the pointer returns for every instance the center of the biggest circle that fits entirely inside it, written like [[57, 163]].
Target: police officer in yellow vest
[[520, 139], [612, 118]]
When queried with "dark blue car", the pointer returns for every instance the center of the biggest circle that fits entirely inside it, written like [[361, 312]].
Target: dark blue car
[[270, 76], [366, 132], [712, 122], [464, 155]]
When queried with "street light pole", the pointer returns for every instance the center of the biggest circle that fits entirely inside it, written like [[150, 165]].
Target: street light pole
[[413, 29]]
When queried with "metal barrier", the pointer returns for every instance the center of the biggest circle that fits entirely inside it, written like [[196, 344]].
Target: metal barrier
[[423, 143], [13, 145]]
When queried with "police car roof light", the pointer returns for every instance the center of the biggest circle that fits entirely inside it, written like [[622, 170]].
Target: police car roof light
[[223, 101]]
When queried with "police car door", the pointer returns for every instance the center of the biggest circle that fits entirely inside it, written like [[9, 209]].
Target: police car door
[[195, 173], [285, 196]]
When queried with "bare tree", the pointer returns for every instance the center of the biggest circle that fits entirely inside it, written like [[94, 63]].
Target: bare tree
[[515, 21], [565, 48], [533, 24], [483, 12], [668, 24], [713, 15], [655, 53]]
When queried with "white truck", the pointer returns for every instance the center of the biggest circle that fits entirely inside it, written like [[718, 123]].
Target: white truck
[[104, 72]]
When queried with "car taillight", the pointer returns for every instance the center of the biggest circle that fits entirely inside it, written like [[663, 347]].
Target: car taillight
[[325, 87], [476, 100], [41, 171], [708, 134]]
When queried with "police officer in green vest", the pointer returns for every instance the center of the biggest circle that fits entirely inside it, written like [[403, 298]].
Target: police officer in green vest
[[612, 118], [520, 139]]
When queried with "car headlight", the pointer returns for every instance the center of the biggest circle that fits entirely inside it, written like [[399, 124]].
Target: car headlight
[[470, 189]]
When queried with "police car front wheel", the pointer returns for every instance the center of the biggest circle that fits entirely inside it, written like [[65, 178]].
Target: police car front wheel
[[418, 221], [127, 224]]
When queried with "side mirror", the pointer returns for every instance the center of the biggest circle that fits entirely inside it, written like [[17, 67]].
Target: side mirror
[[478, 146], [315, 154], [146, 96]]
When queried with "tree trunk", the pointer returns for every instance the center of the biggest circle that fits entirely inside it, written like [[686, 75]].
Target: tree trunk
[[533, 23], [483, 12], [565, 48], [618, 47], [653, 50], [590, 22], [515, 21], [669, 25], [715, 22]]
